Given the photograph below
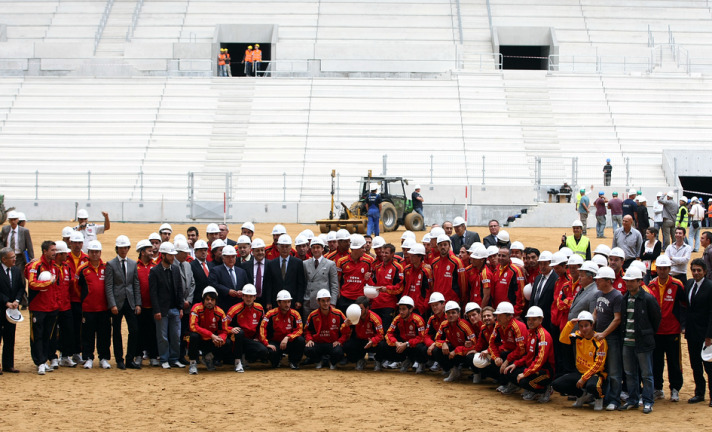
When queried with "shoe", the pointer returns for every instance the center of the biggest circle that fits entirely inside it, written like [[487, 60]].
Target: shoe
[[165, 365], [332, 366], [49, 368], [41, 369], [454, 375], [133, 365], [54, 364], [510, 389], [394, 365], [293, 366], [378, 366], [415, 365], [209, 361], [658, 394], [647, 408], [405, 365], [710, 405], [435, 367], [624, 396], [629, 406], [360, 364], [155, 362], [598, 405], [500, 388], [178, 364], [528, 395], [67, 362], [640, 401], [88, 364], [77, 358], [546, 397], [476, 378], [193, 369], [104, 364], [611, 407], [696, 399], [343, 361], [138, 360], [420, 369], [675, 396], [121, 365], [238, 366], [580, 400], [11, 370], [319, 364]]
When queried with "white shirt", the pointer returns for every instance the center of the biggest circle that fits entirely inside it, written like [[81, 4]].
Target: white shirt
[[542, 284], [90, 233], [697, 212], [262, 269], [657, 212], [4, 269], [16, 237], [679, 256]]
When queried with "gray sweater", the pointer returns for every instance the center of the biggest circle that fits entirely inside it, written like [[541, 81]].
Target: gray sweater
[[670, 207]]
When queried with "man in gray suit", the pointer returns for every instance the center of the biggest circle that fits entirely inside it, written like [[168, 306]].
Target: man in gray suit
[[17, 238], [320, 274], [186, 273], [123, 296]]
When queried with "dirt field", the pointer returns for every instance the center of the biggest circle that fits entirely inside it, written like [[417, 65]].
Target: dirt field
[[304, 400]]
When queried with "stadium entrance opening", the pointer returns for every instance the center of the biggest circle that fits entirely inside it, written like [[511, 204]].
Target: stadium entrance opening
[[526, 48], [237, 53], [695, 185], [524, 57]]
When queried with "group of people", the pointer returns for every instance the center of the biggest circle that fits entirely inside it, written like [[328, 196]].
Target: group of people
[[593, 321], [252, 61]]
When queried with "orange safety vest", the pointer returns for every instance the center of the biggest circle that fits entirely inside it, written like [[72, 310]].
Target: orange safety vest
[[221, 60], [248, 56], [256, 55]]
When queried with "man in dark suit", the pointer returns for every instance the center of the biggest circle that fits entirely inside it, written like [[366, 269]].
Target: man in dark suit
[[166, 287], [492, 240], [228, 279], [543, 286], [11, 290], [697, 326], [462, 236], [123, 297], [255, 268], [284, 273], [224, 232], [201, 268]]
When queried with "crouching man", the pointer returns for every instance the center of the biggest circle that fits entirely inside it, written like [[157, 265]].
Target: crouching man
[[208, 332]]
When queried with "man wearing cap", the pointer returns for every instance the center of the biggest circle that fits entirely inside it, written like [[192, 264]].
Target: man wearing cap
[[146, 322], [607, 171], [578, 242], [418, 200], [698, 327], [165, 231], [18, 239], [281, 331], [462, 237], [11, 290], [697, 214], [96, 321], [366, 336], [585, 299], [629, 240], [301, 244], [243, 327], [186, 271], [418, 279], [545, 285], [286, 272], [200, 268], [658, 211], [454, 338], [228, 279], [224, 232], [325, 333], [166, 287], [208, 332], [615, 204], [436, 302], [679, 254], [587, 375], [353, 270], [670, 208], [507, 343], [43, 304], [670, 295], [607, 319], [272, 251], [123, 298], [91, 230], [342, 239], [600, 204], [320, 273], [255, 268], [449, 277], [630, 207], [642, 322], [405, 336]]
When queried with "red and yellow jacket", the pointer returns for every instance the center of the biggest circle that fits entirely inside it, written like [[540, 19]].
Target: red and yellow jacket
[[371, 328], [483, 338], [327, 328], [417, 284], [91, 280], [65, 278], [75, 294], [670, 296], [336, 255], [540, 353], [271, 252], [352, 276], [449, 277], [619, 283], [276, 326], [510, 339], [457, 335], [477, 281], [390, 276], [248, 318], [43, 296], [411, 330], [208, 322], [590, 353], [143, 270], [432, 327], [563, 297], [508, 285]]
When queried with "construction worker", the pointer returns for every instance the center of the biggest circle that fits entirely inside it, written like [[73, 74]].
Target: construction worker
[[373, 210], [325, 333], [578, 243], [256, 59], [90, 230], [208, 332], [243, 325], [221, 63], [281, 332], [228, 67], [247, 61]]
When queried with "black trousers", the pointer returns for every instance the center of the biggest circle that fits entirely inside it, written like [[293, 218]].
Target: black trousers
[[63, 337], [197, 344], [445, 361], [42, 326], [417, 353], [184, 333], [355, 351], [386, 315], [147, 334], [320, 350], [342, 304], [127, 313], [699, 367], [77, 326], [96, 329], [492, 370], [566, 384], [294, 351], [488, 372], [667, 346], [536, 382], [7, 334], [252, 349]]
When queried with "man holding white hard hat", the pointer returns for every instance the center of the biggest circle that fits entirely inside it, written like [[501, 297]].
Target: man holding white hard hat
[[366, 335], [42, 282], [11, 290]]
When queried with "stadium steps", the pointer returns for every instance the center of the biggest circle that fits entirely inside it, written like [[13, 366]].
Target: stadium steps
[[113, 37]]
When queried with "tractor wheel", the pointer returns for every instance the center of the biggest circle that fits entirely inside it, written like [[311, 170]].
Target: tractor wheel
[[414, 222], [389, 217], [361, 228], [324, 228]]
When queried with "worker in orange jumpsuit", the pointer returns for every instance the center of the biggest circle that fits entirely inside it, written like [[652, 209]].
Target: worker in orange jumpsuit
[[247, 61], [222, 70], [256, 59]]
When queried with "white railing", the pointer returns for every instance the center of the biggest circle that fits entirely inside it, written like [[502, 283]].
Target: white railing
[[102, 23], [134, 20], [600, 64]]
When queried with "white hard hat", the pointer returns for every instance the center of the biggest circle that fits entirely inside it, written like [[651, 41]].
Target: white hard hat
[[217, 243], [632, 192], [436, 297], [14, 215], [145, 243], [76, 237], [479, 253], [353, 313], [258, 243], [451, 305], [406, 300], [300, 240], [605, 273], [229, 250], [14, 315], [323, 293], [443, 238], [503, 236], [517, 245], [504, 308], [566, 251], [167, 227], [642, 199], [357, 241], [61, 247], [475, 245], [545, 256], [378, 242], [517, 262], [417, 249], [469, 307], [575, 260], [527, 291], [617, 252], [67, 231], [182, 246], [435, 232], [426, 238], [309, 234], [179, 237], [659, 194], [458, 221], [123, 241], [200, 244], [249, 289], [342, 234], [417, 187], [633, 273], [663, 261], [318, 241], [670, 194], [212, 228], [324, 237], [210, 290], [408, 235], [492, 250], [94, 245], [409, 243], [167, 248], [603, 250], [639, 265], [21, 217], [577, 223], [682, 198], [154, 236], [279, 230], [535, 312], [284, 239], [248, 225], [370, 292], [284, 295], [243, 239], [331, 236], [480, 361], [82, 214], [585, 316], [591, 266], [558, 258]]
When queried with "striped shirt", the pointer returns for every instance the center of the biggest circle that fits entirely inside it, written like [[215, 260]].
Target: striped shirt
[[629, 337]]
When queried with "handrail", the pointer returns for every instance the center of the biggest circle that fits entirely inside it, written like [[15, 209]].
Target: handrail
[[134, 20], [102, 23], [599, 64], [651, 38], [459, 20]]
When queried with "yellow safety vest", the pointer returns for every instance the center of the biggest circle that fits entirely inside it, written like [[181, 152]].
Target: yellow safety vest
[[683, 214], [579, 248]]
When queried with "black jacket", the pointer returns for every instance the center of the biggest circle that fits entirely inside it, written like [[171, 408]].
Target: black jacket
[[220, 280], [546, 298], [201, 281], [165, 290], [294, 281], [697, 317], [10, 292], [470, 237], [647, 317]]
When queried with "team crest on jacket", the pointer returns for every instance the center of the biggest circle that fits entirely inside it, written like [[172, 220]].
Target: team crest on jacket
[[669, 290], [363, 270], [447, 267], [333, 320], [410, 327], [254, 315]]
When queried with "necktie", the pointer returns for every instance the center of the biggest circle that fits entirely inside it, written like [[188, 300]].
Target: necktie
[[316, 264], [693, 291], [284, 267], [9, 276], [12, 240], [205, 269], [542, 281], [123, 267], [258, 279], [232, 276]]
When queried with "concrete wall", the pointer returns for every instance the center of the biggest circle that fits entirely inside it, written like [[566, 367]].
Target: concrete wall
[[686, 163]]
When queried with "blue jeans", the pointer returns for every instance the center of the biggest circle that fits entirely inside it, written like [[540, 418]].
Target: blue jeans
[[420, 212], [374, 219], [168, 336], [600, 225], [635, 364], [616, 222], [614, 367], [694, 237]]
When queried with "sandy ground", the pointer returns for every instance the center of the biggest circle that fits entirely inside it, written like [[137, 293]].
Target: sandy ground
[[304, 400]]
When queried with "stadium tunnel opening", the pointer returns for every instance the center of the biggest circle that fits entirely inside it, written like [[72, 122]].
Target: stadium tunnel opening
[[526, 48], [692, 186], [237, 52], [524, 57]]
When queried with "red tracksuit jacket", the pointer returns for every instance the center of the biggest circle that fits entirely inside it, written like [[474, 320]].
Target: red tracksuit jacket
[[91, 280], [411, 330], [75, 295], [540, 352], [417, 284], [391, 276], [510, 338], [431, 329], [456, 335], [208, 322], [43, 296], [248, 318], [352, 275], [371, 328], [669, 296], [65, 277], [276, 326], [449, 277], [327, 328]]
